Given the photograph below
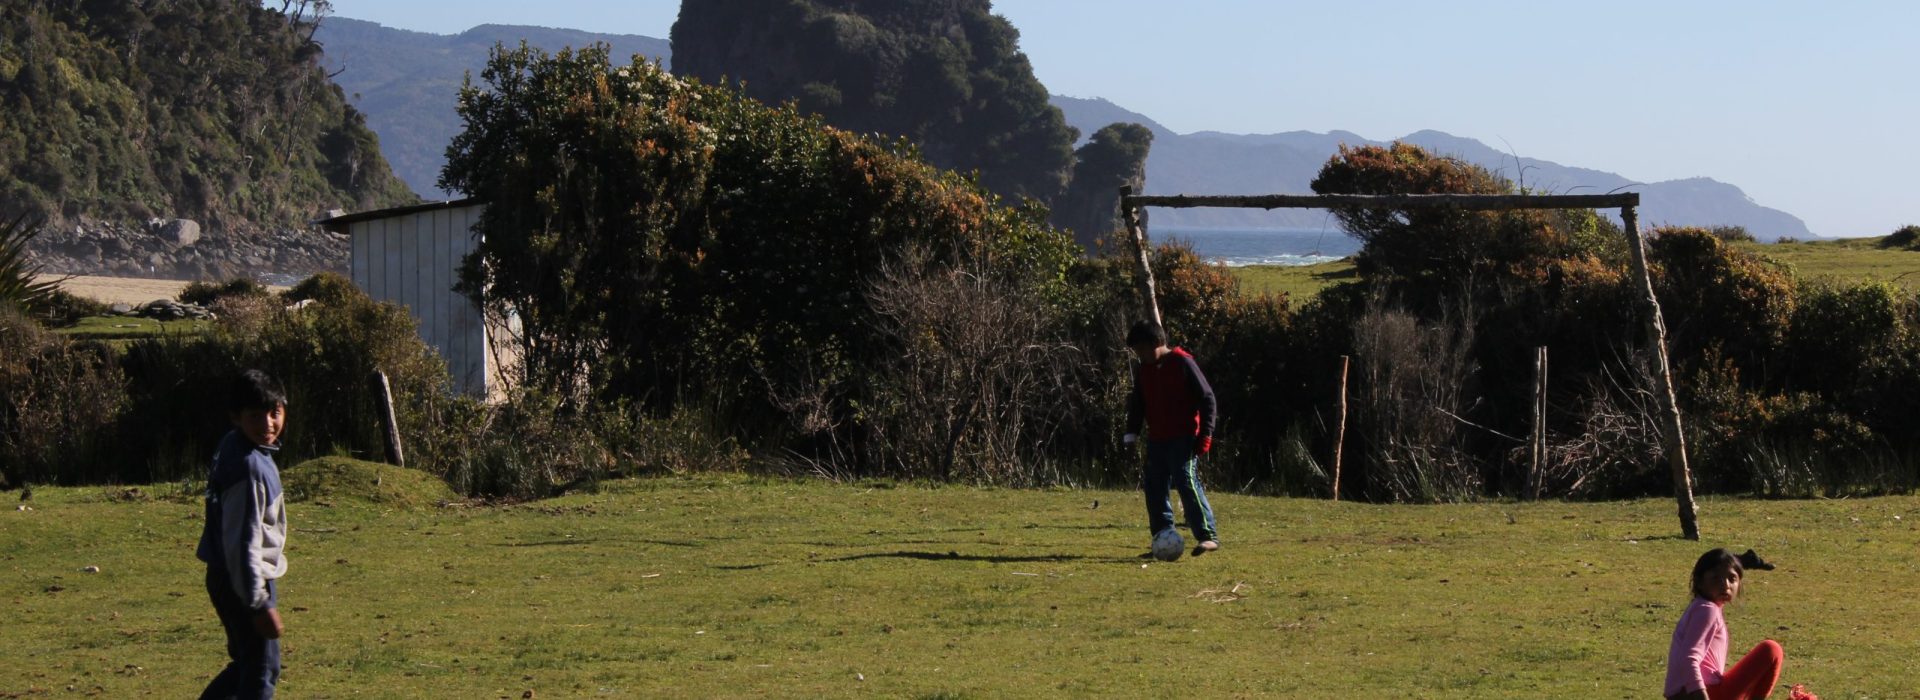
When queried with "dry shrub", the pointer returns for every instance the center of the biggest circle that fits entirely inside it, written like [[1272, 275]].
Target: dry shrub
[[979, 381], [1413, 380], [1615, 448], [58, 404]]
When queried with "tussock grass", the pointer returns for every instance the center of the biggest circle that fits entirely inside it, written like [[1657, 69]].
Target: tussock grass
[[336, 479], [746, 587]]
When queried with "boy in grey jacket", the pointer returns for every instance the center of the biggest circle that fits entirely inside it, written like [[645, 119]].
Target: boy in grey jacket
[[245, 538]]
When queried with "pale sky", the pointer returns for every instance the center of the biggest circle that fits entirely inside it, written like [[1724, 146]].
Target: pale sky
[[1811, 108]]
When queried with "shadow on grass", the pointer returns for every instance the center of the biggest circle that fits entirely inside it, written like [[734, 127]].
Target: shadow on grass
[[956, 556], [578, 542]]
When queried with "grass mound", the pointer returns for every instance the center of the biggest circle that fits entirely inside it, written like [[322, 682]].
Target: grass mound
[[344, 479]]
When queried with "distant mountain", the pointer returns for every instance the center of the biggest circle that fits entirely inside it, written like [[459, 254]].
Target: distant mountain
[[1211, 162], [406, 82]]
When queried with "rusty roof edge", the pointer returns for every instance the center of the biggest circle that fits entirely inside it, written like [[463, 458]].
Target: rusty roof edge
[[338, 224]]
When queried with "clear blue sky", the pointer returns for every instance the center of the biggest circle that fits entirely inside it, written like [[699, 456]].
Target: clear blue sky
[[1809, 107]]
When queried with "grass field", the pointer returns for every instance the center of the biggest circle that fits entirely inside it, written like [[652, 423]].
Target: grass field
[[129, 327], [1845, 260], [730, 586]]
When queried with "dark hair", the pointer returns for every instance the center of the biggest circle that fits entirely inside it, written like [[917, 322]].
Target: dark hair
[[1145, 332], [254, 390], [1713, 560]]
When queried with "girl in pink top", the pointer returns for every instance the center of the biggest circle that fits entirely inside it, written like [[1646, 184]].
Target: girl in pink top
[[1696, 660]]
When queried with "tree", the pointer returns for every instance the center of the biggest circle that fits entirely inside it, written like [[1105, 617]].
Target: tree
[[947, 75]]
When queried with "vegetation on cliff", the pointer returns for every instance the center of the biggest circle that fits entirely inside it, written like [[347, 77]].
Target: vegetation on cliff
[[945, 74], [213, 111]]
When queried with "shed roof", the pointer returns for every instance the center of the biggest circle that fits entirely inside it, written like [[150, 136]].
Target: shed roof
[[339, 224]]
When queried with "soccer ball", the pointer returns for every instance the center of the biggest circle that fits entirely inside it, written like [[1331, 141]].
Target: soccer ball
[[1167, 546]]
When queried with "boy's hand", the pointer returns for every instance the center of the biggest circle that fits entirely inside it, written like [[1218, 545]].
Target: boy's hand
[[267, 623], [1206, 444]]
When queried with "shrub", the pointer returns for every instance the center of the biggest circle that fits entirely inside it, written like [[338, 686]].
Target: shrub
[[61, 308], [59, 402], [327, 288], [1731, 234], [1716, 296], [206, 293], [325, 358], [1413, 381], [1906, 237]]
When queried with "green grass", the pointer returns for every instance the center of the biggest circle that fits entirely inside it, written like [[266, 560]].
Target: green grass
[[744, 587], [328, 480], [1298, 282], [1845, 260], [129, 327]]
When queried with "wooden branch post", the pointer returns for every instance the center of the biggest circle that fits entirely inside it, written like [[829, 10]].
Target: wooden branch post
[[390, 428], [1673, 441], [1143, 270], [1537, 466], [1340, 427]]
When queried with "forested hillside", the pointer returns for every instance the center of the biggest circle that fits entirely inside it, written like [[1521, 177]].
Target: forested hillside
[[407, 81], [216, 111], [946, 74]]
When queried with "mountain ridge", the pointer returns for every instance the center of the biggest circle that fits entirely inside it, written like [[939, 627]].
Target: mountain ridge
[[1213, 162], [416, 119]]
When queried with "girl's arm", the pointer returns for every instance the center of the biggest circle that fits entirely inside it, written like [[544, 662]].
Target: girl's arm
[[1688, 650]]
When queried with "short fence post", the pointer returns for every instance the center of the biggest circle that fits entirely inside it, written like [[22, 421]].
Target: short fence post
[[389, 427], [1340, 427], [1537, 465]]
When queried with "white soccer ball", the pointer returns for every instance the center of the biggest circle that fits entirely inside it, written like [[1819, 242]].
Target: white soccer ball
[[1168, 546]]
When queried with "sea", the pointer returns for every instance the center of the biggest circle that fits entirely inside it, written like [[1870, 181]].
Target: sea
[[1240, 247]]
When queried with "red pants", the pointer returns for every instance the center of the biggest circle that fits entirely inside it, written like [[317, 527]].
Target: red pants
[[1753, 677]]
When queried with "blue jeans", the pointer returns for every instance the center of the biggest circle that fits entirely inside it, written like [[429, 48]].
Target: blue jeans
[[1171, 464], [255, 660]]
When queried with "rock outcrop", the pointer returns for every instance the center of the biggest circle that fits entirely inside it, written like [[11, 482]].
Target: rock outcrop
[[278, 256]]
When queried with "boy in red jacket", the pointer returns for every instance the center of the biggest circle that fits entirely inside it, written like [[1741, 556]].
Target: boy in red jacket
[[1173, 398]]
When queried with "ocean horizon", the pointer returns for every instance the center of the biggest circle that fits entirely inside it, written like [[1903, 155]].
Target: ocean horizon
[[1241, 247]]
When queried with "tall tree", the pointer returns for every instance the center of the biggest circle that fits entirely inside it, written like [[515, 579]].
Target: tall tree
[[946, 74]]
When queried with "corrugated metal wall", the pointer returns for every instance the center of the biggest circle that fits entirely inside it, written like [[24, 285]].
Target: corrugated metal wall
[[411, 259]]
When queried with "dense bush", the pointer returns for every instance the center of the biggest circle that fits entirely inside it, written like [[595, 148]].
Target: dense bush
[[213, 111], [59, 401], [206, 293], [735, 249], [1906, 237]]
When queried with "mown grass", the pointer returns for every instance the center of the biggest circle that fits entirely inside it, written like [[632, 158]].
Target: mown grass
[[1845, 260], [129, 327], [746, 587]]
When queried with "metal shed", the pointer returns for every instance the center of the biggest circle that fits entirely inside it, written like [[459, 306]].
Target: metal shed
[[411, 256]]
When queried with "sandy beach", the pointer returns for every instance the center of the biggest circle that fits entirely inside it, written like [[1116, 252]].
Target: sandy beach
[[123, 290]]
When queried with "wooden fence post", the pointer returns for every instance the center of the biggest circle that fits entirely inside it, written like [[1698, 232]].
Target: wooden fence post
[[389, 427], [1340, 427], [1674, 442], [1143, 271], [1535, 472]]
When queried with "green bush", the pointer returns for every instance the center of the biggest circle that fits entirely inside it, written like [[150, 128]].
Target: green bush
[[734, 250], [207, 293], [1906, 237], [328, 288], [59, 405]]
